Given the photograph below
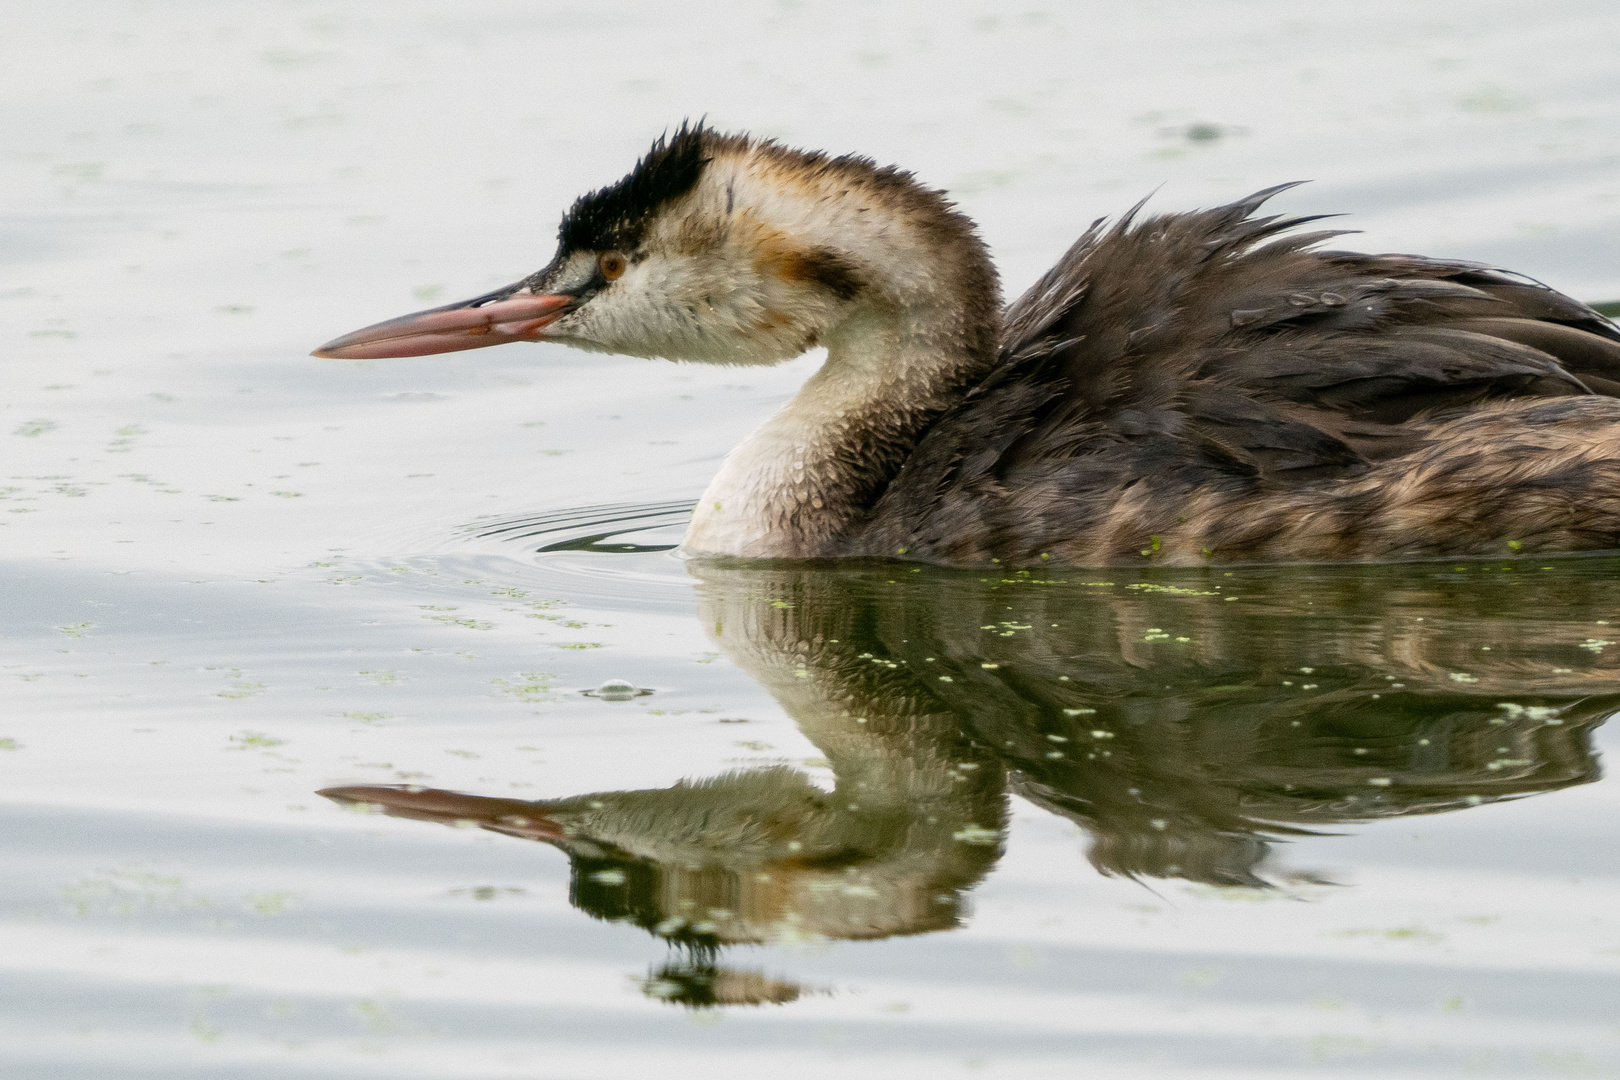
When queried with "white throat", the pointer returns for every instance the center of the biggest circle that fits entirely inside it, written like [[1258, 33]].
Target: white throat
[[804, 479]]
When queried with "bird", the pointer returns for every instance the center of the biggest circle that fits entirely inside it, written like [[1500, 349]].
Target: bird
[[1186, 388]]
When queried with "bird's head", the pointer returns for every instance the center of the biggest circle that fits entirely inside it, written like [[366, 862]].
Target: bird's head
[[718, 249]]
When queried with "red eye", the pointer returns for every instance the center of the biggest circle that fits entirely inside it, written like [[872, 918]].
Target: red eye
[[612, 264]]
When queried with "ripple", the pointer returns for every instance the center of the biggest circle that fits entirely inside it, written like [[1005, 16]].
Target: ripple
[[611, 556], [595, 528]]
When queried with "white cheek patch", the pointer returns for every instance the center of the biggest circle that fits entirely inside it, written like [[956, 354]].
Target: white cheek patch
[[710, 308], [729, 274]]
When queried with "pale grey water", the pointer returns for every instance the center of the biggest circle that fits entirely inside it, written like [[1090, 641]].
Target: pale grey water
[[234, 575]]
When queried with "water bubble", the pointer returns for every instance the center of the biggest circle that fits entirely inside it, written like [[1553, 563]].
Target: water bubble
[[617, 690]]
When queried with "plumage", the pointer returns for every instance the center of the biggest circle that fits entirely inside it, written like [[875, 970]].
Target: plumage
[[616, 216], [1211, 386], [1181, 388]]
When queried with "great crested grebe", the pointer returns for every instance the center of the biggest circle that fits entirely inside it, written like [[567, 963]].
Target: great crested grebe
[[1185, 388]]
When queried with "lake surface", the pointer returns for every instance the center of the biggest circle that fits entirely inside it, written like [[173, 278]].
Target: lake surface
[[592, 810]]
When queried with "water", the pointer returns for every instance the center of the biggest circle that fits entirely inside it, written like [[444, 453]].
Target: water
[[1300, 822]]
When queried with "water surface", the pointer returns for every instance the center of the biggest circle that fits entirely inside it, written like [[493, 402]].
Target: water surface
[[880, 819]]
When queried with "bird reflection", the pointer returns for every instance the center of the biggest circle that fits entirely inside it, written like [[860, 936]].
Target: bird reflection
[[1185, 721]]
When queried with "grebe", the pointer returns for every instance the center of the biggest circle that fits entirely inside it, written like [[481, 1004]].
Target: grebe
[[1186, 388]]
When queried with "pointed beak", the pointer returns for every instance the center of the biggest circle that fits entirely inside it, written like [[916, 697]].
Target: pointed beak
[[492, 319], [511, 816]]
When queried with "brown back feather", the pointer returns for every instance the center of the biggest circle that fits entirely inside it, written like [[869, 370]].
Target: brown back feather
[[1221, 354]]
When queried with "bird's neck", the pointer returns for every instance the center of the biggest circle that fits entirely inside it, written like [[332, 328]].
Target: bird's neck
[[805, 480]]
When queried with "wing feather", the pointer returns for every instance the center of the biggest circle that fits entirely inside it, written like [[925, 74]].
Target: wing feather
[[1221, 351]]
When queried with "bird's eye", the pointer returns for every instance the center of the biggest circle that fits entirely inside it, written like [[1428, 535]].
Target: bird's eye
[[612, 264]]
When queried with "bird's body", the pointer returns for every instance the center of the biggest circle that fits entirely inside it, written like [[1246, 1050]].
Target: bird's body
[[1198, 387], [1189, 388]]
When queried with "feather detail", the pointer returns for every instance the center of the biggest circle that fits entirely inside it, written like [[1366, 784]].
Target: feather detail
[[1217, 382]]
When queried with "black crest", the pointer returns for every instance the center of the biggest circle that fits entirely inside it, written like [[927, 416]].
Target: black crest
[[615, 217]]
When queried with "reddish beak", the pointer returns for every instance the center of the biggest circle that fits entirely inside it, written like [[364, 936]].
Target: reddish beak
[[471, 324], [511, 816]]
